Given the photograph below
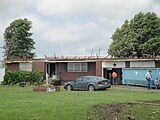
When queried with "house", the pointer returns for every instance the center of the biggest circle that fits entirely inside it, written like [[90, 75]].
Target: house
[[69, 68]]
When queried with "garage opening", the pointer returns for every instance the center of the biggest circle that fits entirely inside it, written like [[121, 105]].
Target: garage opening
[[107, 73]]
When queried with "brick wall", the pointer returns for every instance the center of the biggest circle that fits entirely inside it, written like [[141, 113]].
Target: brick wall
[[39, 66], [12, 66], [99, 68], [69, 76]]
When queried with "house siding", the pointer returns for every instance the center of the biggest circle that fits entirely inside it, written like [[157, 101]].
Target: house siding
[[142, 64], [113, 64]]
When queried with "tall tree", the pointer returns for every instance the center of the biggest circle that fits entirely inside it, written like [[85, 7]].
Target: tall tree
[[18, 41], [139, 36]]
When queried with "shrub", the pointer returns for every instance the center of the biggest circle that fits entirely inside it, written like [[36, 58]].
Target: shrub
[[14, 77]]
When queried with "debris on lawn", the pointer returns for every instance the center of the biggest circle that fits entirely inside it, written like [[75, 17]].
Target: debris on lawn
[[115, 111]]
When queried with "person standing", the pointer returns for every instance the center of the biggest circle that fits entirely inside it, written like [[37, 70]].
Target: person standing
[[148, 78], [114, 75]]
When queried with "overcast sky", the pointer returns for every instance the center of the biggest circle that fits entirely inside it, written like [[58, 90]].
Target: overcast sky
[[72, 27]]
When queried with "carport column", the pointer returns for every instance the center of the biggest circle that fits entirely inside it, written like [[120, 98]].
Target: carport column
[[99, 68], [46, 78]]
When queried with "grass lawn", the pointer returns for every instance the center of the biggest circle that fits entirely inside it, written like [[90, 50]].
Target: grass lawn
[[18, 103]]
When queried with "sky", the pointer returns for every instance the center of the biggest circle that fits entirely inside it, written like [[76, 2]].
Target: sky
[[72, 27]]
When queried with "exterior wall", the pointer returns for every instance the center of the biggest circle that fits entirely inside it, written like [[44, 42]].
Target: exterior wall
[[142, 64], [61, 71], [39, 66], [130, 64], [99, 68], [113, 64], [36, 66], [13, 66]]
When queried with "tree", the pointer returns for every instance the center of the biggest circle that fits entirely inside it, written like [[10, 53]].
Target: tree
[[18, 41], [137, 37]]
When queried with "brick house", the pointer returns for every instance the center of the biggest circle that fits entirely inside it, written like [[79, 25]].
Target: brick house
[[70, 68], [66, 68]]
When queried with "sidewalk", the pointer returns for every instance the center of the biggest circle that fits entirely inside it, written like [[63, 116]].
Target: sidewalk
[[129, 87]]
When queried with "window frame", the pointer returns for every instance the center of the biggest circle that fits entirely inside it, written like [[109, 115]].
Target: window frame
[[77, 67], [26, 66]]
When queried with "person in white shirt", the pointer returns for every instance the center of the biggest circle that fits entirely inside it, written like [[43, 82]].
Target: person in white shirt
[[148, 78]]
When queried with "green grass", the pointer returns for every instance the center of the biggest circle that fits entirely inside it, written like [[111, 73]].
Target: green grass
[[18, 103]]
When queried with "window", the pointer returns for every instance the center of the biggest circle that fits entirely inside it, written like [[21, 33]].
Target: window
[[25, 66], [77, 67], [84, 67]]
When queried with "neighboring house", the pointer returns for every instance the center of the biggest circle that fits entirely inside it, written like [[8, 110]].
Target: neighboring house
[[72, 67]]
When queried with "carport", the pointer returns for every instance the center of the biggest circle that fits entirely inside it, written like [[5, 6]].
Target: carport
[[110, 66]]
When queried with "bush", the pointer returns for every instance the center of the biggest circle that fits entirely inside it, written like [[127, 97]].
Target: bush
[[14, 77]]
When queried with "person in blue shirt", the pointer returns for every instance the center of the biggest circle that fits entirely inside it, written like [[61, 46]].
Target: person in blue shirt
[[148, 78]]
